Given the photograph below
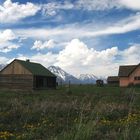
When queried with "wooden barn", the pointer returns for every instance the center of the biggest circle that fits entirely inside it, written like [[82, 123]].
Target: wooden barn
[[26, 75], [113, 80]]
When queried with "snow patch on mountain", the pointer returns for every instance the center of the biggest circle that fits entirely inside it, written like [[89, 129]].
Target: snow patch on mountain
[[87, 78]]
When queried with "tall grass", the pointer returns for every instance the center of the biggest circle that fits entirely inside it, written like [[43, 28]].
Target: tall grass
[[87, 113]]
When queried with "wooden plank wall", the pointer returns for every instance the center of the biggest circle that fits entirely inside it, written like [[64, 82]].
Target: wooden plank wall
[[23, 82]]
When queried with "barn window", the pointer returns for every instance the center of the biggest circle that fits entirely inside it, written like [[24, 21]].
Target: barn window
[[41, 81], [137, 78]]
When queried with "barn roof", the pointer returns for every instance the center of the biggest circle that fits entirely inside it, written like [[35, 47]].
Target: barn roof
[[113, 78], [125, 71], [35, 68]]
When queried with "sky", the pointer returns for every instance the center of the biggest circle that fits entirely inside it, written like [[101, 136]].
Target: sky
[[80, 36]]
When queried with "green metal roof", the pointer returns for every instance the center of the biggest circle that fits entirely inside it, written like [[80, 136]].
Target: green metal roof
[[36, 68]]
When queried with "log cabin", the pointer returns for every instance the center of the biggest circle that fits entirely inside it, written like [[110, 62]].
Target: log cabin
[[26, 75], [129, 75]]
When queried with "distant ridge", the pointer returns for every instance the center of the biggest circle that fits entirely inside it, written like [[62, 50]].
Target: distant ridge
[[63, 76], [87, 78]]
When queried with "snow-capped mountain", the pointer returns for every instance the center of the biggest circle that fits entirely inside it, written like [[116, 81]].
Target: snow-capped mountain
[[87, 78], [63, 76]]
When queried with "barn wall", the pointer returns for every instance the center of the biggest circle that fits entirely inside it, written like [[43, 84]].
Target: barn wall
[[124, 81], [136, 73], [23, 82], [15, 68], [51, 82], [113, 82]]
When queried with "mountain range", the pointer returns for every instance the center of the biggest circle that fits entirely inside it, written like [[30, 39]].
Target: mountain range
[[87, 78], [64, 77]]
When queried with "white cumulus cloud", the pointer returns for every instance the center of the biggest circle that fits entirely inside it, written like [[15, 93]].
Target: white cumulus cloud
[[13, 11], [7, 35], [79, 58], [39, 45], [131, 55], [76, 58], [6, 38], [9, 47], [130, 4]]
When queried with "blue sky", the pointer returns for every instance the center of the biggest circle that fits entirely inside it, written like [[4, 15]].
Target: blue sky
[[80, 36]]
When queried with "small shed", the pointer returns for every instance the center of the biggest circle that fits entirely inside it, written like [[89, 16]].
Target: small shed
[[26, 75], [113, 80]]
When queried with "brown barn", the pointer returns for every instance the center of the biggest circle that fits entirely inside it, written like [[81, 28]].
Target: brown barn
[[113, 80], [129, 75], [26, 75]]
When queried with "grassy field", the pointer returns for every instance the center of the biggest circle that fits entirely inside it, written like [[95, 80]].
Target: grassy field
[[83, 113]]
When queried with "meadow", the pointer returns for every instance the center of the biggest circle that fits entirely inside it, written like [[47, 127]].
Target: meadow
[[83, 112]]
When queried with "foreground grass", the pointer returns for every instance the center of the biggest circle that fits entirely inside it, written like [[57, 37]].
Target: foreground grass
[[88, 113]]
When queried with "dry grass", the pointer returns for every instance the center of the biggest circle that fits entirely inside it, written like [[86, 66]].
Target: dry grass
[[87, 113]]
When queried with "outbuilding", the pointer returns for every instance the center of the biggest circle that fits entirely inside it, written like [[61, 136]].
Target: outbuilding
[[129, 75], [113, 80], [26, 75]]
